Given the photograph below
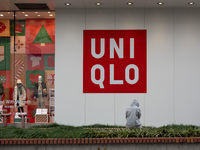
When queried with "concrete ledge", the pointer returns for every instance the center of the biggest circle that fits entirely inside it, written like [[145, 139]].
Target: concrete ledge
[[88, 141], [153, 146]]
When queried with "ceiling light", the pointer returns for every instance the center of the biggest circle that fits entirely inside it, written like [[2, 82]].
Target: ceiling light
[[98, 3], [1, 15], [26, 15], [23, 12], [191, 3], [160, 3], [67, 4], [38, 15], [49, 12], [51, 15], [36, 12], [129, 3]]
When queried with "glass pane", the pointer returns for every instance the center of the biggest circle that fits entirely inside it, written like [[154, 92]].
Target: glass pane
[[33, 65], [6, 101]]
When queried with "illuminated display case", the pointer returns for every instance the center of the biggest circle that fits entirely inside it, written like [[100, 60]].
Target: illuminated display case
[[27, 51]]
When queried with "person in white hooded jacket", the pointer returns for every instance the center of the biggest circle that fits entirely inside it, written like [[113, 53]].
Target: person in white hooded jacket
[[133, 114]]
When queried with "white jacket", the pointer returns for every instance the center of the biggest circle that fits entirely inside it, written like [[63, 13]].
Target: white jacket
[[22, 97]]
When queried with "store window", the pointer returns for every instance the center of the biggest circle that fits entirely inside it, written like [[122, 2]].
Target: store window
[[27, 66]]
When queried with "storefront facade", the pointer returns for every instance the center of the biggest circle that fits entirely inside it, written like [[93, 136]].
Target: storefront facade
[[58, 45]]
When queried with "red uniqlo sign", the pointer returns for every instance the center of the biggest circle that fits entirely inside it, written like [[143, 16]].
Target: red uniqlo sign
[[114, 61]]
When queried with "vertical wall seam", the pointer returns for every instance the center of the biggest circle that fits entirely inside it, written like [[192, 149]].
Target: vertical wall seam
[[85, 110], [85, 101], [173, 66], [114, 110], [114, 14], [147, 70], [115, 29]]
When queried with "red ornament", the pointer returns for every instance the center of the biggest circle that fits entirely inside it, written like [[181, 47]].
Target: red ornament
[[2, 27], [34, 78], [18, 28]]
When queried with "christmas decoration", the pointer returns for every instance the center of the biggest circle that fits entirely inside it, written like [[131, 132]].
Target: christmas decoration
[[50, 79], [1, 53], [5, 78], [40, 36], [19, 28], [21, 68], [35, 62], [32, 77], [18, 69], [49, 62], [4, 53], [19, 44], [4, 28]]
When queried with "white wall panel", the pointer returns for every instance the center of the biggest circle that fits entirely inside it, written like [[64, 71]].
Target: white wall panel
[[69, 67], [130, 18], [187, 66], [100, 109], [97, 19], [159, 98]]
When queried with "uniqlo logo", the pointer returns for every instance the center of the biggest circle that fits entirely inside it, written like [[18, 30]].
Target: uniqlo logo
[[114, 61]]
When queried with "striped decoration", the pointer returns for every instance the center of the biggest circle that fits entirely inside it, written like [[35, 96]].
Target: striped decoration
[[21, 68]]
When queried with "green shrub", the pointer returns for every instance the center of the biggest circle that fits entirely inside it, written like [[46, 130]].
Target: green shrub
[[98, 131]]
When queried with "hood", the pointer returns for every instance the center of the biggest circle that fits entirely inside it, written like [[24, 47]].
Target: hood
[[135, 103]]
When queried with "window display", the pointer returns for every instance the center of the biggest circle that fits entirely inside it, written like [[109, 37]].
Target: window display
[[27, 64]]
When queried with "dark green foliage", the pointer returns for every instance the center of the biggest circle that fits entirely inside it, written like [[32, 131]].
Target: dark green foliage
[[103, 126], [143, 132], [98, 131]]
